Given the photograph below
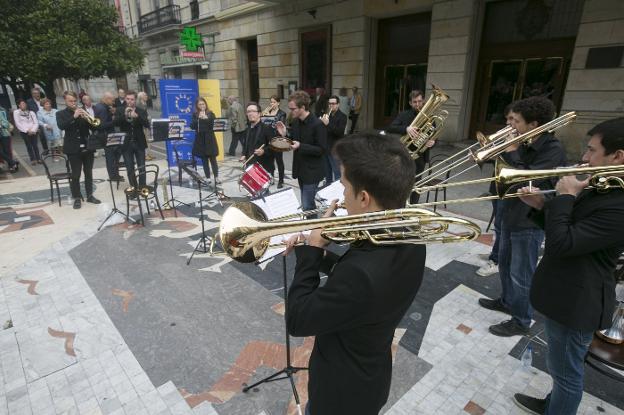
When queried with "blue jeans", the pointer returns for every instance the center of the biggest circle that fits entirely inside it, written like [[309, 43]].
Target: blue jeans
[[335, 166], [307, 408], [497, 206], [308, 192], [565, 359], [517, 260]]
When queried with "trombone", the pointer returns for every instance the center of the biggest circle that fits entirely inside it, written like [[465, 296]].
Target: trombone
[[493, 146], [245, 233], [602, 179]]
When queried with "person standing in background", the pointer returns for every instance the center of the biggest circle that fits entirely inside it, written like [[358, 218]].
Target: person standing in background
[[355, 106], [238, 124], [142, 103]]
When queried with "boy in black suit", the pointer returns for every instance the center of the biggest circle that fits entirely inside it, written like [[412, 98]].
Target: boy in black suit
[[369, 288]]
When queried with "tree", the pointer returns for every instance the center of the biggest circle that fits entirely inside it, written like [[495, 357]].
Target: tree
[[44, 40]]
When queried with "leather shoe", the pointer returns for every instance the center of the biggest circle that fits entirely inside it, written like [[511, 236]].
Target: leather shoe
[[496, 305], [529, 404], [508, 328], [77, 204], [92, 199], [280, 185]]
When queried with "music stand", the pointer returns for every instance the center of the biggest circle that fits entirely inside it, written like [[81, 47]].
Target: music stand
[[166, 129], [113, 140], [290, 370], [216, 193]]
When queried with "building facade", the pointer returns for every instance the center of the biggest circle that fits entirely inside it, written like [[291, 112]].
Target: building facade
[[484, 54]]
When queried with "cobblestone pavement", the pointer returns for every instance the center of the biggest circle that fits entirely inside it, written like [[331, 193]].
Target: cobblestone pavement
[[115, 322]]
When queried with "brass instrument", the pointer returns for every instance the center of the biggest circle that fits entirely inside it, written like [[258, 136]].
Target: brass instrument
[[93, 122], [244, 231], [129, 110], [615, 334], [429, 122], [492, 146], [603, 178]]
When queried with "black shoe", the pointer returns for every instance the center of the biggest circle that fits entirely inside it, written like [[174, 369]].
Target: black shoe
[[496, 305], [92, 199], [77, 204], [280, 184], [508, 328], [530, 404]]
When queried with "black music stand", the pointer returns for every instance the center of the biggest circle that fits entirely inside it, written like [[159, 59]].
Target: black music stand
[[289, 371], [113, 140], [216, 193], [169, 130]]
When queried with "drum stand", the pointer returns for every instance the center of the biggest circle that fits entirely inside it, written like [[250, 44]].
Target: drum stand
[[114, 209], [289, 371]]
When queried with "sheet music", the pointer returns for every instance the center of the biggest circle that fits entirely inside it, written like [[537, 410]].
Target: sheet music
[[276, 205], [331, 192]]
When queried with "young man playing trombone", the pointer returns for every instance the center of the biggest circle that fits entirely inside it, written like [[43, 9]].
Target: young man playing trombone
[[574, 283], [368, 289]]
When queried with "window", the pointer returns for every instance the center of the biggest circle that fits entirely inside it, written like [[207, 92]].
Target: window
[[194, 4]]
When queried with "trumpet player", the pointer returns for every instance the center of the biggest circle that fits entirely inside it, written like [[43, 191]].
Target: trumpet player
[[520, 238], [335, 122], [73, 121], [574, 283], [401, 125], [368, 290], [104, 110], [132, 120]]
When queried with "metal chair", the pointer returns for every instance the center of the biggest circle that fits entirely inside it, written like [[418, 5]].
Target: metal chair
[[147, 193], [182, 163], [433, 162], [55, 177]]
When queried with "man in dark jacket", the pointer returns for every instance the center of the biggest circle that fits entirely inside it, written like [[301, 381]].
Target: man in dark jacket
[[257, 135], [335, 122], [368, 289], [309, 144], [131, 120], [103, 110], [401, 126], [520, 237], [77, 131], [574, 284]]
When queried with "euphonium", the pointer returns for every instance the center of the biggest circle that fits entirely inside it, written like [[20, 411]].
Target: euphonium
[[244, 232], [429, 122]]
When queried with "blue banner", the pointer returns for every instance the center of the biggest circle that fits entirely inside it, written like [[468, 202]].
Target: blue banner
[[177, 99]]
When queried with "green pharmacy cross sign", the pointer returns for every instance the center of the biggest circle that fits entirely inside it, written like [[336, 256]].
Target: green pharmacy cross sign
[[190, 39]]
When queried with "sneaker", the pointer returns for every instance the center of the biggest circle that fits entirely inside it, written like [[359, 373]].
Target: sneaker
[[508, 328], [529, 404], [92, 199], [496, 305], [77, 204], [488, 269]]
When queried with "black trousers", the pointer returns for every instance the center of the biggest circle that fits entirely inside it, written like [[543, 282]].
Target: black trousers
[[43, 139], [420, 167], [81, 161], [131, 153], [236, 138], [354, 117], [112, 154], [31, 145], [213, 162], [279, 160]]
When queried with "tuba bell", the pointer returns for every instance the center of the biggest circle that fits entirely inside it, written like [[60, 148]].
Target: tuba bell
[[429, 122], [615, 334]]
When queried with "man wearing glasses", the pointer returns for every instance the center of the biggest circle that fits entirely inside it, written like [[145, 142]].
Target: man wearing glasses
[[309, 145], [335, 122]]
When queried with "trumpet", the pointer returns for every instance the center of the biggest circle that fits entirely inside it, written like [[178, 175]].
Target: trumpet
[[129, 111], [244, 232], [93, 122], [602, 179]]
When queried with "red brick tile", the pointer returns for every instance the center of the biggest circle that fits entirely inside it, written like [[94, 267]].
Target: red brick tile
[[464, 329], [473, 409]]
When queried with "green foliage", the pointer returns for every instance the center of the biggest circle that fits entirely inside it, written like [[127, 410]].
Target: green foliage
[[43, 40]]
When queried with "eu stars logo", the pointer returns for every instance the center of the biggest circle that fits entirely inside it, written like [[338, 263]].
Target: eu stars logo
[[183, 103]]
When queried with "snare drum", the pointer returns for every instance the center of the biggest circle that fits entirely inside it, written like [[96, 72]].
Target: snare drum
[[255, 179]]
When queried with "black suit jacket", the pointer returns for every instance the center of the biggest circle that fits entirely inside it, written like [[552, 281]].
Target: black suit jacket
[[77, 131], [353, 317], [256, 137], [103, 113], [399, 126], [336, 127], [546, 152], [574, 283], [134, 130], [308, 164]]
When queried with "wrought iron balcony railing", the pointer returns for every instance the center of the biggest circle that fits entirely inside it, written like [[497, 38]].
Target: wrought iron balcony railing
[[164, 16]]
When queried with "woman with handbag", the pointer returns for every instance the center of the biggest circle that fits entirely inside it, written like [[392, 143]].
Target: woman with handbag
[[28, 126], [77, 131], [205, 144]]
